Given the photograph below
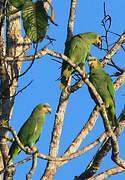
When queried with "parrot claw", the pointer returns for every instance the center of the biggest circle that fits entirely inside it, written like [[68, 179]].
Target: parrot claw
[[28, 150]]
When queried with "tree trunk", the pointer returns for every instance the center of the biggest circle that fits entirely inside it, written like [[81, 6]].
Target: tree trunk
[[10, 71]]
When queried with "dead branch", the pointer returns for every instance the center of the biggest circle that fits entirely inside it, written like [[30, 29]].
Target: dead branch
[[106, 20], [34, 165], [108, 173], [120, 81], [114, 49]]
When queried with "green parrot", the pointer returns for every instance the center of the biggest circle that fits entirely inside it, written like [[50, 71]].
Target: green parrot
[[31, 130], [35, 17], [104, 86], [35, 20], [78, 52]]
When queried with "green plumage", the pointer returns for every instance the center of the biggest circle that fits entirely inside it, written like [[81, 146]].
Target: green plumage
[[78, 51], [104, 86], [35, 20], [31, 130], [17, 3]]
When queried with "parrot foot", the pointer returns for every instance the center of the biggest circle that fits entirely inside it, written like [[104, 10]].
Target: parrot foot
[[28, 150], [31, 150]]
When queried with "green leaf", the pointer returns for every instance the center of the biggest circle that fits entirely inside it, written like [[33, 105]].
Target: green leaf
[[35, 20], [17, 3]]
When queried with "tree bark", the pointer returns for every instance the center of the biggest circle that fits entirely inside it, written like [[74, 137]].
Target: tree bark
[[10, 71]]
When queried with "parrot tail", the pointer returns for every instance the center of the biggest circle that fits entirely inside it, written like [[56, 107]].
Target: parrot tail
[[13, 154], [111, 115], [65, 78]]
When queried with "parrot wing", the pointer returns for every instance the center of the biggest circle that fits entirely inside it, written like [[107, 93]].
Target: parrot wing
[[78, 52], [100, 86], [110, 87], [28, 136], [28, 133]]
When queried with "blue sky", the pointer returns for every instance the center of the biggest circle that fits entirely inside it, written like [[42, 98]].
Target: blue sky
[[45, 88]]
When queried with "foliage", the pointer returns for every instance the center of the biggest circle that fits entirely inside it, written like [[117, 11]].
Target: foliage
[[35, 20], [17, 3]]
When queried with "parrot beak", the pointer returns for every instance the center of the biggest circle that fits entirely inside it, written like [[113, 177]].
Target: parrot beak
[[98, 42], [49, 110], [92, 62], [46, 108]]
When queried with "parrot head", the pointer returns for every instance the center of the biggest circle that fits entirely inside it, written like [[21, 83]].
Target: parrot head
[[98, 41], [94, 62], [44, 108], [93, 37]]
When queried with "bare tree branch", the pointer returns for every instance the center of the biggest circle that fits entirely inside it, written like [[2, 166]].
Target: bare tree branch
[[114, 49], [54, 146], [108, 173], [34, 165]]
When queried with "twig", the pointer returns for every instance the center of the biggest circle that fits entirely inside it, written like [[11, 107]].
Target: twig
[[119, 82], [29, 65], [108, 173], [114, 65], [20, 91], [34, 165], [114, 49], [107, 18], [76, 86], [8, 138]]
